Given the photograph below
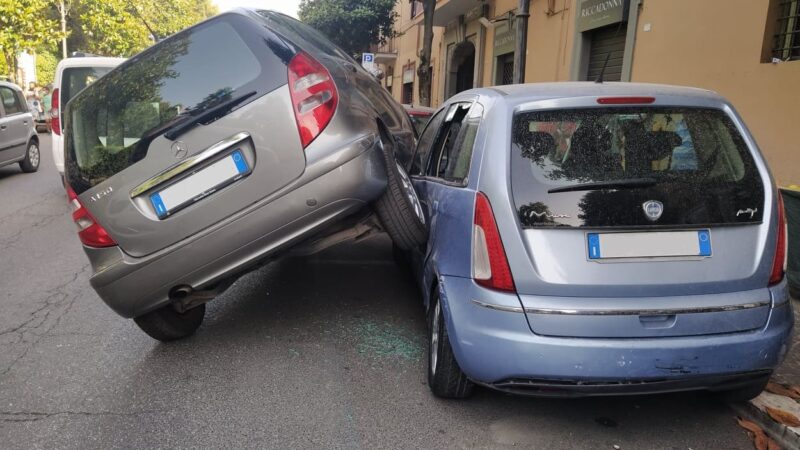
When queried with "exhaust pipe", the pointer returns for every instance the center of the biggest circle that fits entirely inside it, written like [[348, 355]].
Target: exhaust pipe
[[180, 292], [185, 297]]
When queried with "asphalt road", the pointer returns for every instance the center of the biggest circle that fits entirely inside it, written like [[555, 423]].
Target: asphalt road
[[318, 352]]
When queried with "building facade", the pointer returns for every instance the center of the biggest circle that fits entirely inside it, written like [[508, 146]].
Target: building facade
[[747, 50]]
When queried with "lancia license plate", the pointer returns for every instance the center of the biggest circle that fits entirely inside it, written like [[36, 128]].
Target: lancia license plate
[[654, 244], [200, 184]]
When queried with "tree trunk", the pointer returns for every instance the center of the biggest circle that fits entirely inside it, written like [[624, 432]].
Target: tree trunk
[[62, 9], [424, 69], [11, 63]]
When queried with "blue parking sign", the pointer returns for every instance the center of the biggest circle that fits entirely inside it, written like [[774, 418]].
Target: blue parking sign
[[367, 57]]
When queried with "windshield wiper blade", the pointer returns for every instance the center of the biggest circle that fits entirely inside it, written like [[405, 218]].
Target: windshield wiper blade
[[207, 115], [610, 184]]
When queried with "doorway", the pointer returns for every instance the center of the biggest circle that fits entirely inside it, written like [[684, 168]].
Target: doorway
[[462, 68]]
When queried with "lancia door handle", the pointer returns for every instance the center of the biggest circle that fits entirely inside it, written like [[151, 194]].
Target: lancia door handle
[[2, 127]]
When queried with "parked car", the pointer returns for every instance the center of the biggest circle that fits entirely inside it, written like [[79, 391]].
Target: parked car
[[222, 147], [18, 140], [419, 116], [567, 255], [72, 75]]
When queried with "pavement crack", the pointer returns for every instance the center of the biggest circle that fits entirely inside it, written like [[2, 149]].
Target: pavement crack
[[44, 319], [33, 416]]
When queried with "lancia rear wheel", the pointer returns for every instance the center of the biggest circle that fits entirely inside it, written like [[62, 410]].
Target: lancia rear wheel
[[445, 377]]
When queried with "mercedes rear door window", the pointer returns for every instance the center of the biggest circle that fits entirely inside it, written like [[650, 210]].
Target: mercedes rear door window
[[75, 79], [597, 167], [11, 102]]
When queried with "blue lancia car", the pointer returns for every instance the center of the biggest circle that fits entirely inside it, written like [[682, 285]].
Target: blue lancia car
[[599, 239]]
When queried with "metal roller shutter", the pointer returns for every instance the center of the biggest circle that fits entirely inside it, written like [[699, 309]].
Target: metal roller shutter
[[604, 40]]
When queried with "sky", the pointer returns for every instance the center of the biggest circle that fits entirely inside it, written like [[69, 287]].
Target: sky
[[285, 6]]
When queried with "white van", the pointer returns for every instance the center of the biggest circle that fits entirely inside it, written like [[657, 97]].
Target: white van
[[72, 75]]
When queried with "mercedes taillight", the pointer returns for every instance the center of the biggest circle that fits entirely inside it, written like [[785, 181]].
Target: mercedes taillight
[[91, 233], [314, 96]]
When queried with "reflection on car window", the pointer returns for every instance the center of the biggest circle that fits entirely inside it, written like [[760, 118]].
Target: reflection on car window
[[11, 102], [425, 142], [458, 164], [692, 160], [444, 150], [297, 30], [419, 122], [183, 75], [596, 145], [75, 79]]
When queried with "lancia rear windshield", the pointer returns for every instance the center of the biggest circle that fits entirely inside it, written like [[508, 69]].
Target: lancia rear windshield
[[598, 167]]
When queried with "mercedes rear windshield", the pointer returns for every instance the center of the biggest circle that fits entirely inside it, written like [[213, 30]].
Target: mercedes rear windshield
[[224, 62]]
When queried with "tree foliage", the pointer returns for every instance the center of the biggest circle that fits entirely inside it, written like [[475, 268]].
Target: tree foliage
[[4, 72], [104, 27], [352, 24], [125, 27], [25, 25], [45, 67]]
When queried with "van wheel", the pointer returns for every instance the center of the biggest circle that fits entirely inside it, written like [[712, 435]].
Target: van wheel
[[744, 393], [166, 324], [399, 207], [445, 377], [31, 162]]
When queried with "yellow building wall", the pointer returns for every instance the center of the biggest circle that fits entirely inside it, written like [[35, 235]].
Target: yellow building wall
[[497, 9], [550, 35], [717, 45], [408, 45], [712, 44]]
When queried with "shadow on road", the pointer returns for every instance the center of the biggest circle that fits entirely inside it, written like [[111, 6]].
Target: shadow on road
[[340, 337]]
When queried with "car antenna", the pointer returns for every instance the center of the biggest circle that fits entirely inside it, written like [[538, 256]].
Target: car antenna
[[599, 79]]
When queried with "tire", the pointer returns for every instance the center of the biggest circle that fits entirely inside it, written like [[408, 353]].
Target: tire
[[744, 393], [445, 378], [32, 158], [399, 208], [166, 324]]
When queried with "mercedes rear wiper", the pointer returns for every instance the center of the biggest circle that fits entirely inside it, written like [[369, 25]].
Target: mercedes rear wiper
[[205, 115], [610, 184]]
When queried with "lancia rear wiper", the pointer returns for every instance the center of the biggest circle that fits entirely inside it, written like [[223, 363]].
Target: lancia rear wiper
[[205, 115], [610, 184]]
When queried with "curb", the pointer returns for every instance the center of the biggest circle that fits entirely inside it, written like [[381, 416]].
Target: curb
[[754, 410]]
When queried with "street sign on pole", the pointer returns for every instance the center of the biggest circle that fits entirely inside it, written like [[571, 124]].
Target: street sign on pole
[[368, 61]]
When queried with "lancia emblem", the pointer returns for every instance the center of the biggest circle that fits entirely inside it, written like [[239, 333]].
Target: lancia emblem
[[653, 210]]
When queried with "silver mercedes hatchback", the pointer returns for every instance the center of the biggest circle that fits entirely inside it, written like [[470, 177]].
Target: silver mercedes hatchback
[[222, 147]]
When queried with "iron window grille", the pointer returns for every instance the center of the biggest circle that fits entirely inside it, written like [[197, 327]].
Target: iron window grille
[[787, 39]]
